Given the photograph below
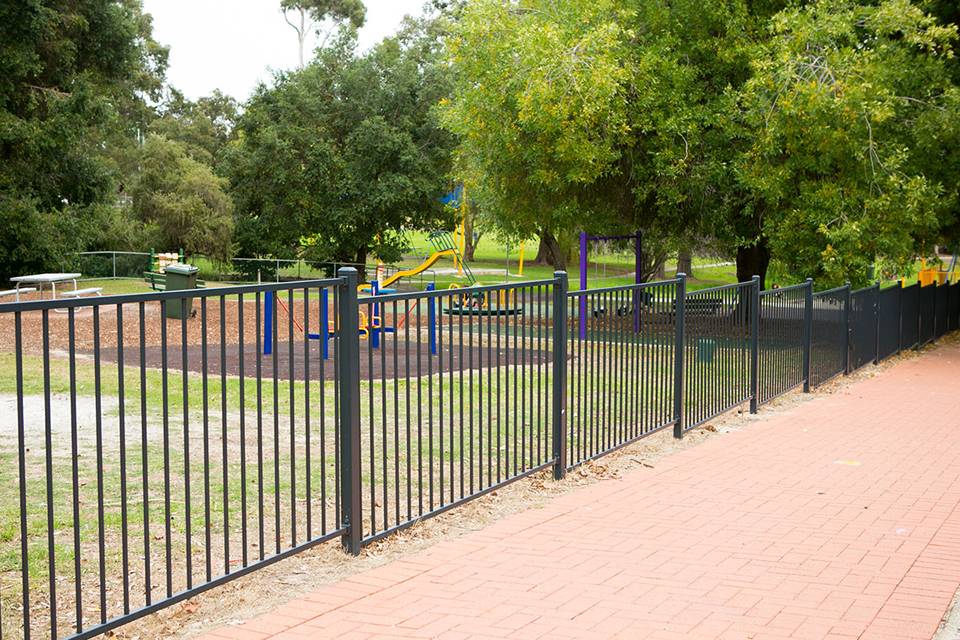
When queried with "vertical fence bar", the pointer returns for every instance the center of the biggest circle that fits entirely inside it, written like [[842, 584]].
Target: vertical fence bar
[[679, 320], [754, 344], [560, 374], [807, 333], [349, 369], [900, 286]]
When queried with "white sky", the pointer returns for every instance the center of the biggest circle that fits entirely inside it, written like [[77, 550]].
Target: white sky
[[232, 45]]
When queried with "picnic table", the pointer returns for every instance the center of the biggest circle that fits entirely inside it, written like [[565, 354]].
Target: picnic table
[[41, 279]]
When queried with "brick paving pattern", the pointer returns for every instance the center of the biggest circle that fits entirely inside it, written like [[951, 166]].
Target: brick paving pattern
[[836, 518]]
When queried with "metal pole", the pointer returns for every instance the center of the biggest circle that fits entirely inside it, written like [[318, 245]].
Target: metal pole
[[432, 319], [114, 256], [900, 284], [846, 331], [268, 322], [348, 354], [680, 320], [754, 344], [560, 374], [638, 279], [876, 323], [807, 334]]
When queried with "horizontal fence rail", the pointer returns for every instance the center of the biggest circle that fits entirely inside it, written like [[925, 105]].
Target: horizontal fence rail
[[161, 444]]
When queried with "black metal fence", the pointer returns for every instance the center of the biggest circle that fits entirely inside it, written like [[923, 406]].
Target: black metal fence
[[785, 325], [828, 349], [157, 446]]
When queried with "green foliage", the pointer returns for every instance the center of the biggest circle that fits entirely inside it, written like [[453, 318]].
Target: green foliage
[[352, 11], [340, 158], [203, 127], [584, 114], [183, 200], [831, 112], [73, 78]]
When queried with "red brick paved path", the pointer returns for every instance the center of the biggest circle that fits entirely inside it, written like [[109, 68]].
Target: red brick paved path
[[835, 519]]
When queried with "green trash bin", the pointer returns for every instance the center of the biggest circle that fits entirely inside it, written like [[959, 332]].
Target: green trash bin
[[705, 349], [179, 277]]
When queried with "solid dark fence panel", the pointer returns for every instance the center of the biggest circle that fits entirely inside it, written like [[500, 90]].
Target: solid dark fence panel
[[621, 359], [717, 351], [888, 322], [828, 344], [928, 313], [863, 327], [942, 310], [456, 397], [781, 341], [953, 321], [149, 462], [910, 317]]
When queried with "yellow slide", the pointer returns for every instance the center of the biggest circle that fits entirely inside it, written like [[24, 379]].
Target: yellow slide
[[426, 264]]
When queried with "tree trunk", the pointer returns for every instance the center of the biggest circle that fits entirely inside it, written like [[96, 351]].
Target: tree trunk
[[361, 264], [553, 252], [685, 262], [753, 261], [469, 246], [541, 252]]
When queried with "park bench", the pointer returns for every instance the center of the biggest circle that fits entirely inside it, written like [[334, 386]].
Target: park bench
[[158, 281], [699, 306], [79, 293], [16, 292], [626, 309]]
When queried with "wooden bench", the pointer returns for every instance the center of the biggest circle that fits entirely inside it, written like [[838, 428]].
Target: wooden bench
[[79, 293], [16, 292], [158, 281]]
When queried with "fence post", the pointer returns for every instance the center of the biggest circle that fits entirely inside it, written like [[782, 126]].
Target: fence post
[[680, 321], [900, 284], [846, 331], [348, 355], [560, 287], [114, 256], [754, 344], [807, 334], [876, 323]]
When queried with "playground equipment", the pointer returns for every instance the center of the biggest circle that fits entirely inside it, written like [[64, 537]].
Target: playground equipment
[[443, 245], [585, 240]]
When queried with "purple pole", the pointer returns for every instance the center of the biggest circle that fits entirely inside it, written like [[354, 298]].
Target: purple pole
[[583, 285]]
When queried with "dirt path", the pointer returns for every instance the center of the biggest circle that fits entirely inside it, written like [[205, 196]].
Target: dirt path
[[835, 518]]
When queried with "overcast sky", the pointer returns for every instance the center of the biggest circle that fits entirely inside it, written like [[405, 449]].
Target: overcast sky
[[232, 45]]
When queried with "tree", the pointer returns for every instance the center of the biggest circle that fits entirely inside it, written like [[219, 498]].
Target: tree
[[584, 114], [183, 200], [312, 13], [74, 79], [203, 127], [337, 160], [832, 171]]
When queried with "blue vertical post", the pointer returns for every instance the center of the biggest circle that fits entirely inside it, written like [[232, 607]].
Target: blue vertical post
[[268, 322], [583, 284], [324, 324], [375, 320], [432, 319]]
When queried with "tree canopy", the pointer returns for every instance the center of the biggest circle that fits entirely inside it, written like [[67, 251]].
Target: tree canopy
[[340, 158], [74, 79]]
